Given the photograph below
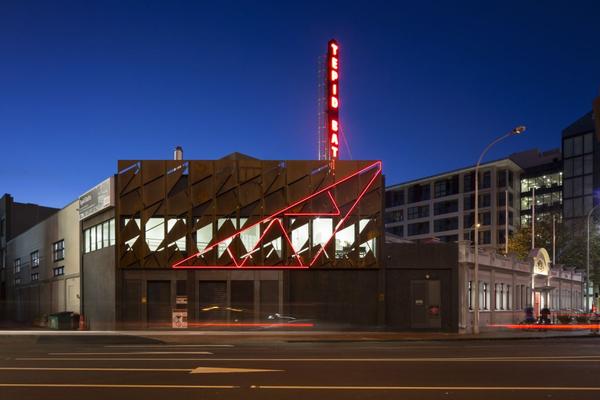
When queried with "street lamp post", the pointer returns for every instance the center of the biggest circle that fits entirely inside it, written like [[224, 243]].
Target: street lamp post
[[516, 131], [587, 261]]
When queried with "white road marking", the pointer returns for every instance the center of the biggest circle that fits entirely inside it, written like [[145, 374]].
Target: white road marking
[[447, 388], [197, 370], [129, 353], [95, 369], [442, 360], [116, 386], [165, 346], [209, 370]]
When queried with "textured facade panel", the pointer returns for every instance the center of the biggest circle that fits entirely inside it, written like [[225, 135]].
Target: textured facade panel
[[247, 213]]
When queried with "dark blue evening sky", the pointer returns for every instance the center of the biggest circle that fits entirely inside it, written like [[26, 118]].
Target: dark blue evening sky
[[425, 85]]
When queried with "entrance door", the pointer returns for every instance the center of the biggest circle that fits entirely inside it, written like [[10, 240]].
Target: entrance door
[[159, 303], [425, 298], [537, 303]]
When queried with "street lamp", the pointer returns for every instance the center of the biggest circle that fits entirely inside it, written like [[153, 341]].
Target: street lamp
[[516, 131], [587, 263]]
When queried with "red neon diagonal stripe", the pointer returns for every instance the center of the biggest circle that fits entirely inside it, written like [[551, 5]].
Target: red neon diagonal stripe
[[337, 227], [274, 215]]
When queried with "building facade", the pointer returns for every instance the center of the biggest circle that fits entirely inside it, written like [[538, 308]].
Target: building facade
[[43, 265], [15, 218], [441, 206], [541, 182], [581, 163], [233, 240]]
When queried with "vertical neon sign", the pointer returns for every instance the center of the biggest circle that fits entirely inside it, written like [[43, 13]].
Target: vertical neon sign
[[333, 98]]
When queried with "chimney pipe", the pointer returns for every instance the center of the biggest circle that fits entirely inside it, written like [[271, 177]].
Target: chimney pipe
[[178, 153]]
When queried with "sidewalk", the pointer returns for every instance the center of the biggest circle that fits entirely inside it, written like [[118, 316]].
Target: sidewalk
[[195, 336]]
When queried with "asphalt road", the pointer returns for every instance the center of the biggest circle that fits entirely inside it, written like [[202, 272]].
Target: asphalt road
[[54, 368]]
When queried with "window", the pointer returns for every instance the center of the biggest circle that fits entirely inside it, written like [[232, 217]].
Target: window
[[58, 271], [487, 180], [419, 228], [469, 181], [58, 250], [502, 199], [35, 259], [99, 236], [470, 295], [322, 228], [446, 187], [394, 197], [35, 276], [446, 224], [445, 207], [499, 296], [507, 298], [155, 233], [485, 237], [17, 265], [484, 296], [417, 212], [501, 178], [394, 216], [418, 193], [344, 242], [17, 280], [397, 230], [502, 218], [568, 147]]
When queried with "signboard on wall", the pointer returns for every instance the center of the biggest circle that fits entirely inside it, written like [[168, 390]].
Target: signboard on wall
[[180, 319], [333, 98], [97, 199]]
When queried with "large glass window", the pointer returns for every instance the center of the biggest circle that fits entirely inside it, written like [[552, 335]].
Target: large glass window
[[155, 233], [322, 228], [417, 212], [300, 238], [204, 235], [180, 243], [99, 236], [344, 241]]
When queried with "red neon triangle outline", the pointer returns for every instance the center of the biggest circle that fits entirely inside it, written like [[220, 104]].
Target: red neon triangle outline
[[318, 214], [260, 240], [378, 164]]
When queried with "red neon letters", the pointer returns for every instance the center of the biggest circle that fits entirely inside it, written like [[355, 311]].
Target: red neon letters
[[333, 103]]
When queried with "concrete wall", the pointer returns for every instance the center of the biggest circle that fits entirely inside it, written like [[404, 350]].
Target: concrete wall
[[31, 299], [415, 262], [99, 280], [347, 297]]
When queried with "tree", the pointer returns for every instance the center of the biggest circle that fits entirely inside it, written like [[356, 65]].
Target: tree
[[570, 243]]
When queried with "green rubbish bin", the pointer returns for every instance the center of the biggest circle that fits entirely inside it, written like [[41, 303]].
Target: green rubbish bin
[[63, 320]]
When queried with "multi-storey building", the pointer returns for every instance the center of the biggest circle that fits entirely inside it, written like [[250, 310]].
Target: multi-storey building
[[43, 267], [541, 180], [441, 206], [581, 163], [15, 218]]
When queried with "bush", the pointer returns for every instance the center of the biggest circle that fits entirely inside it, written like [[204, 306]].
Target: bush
[[582, 319]]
